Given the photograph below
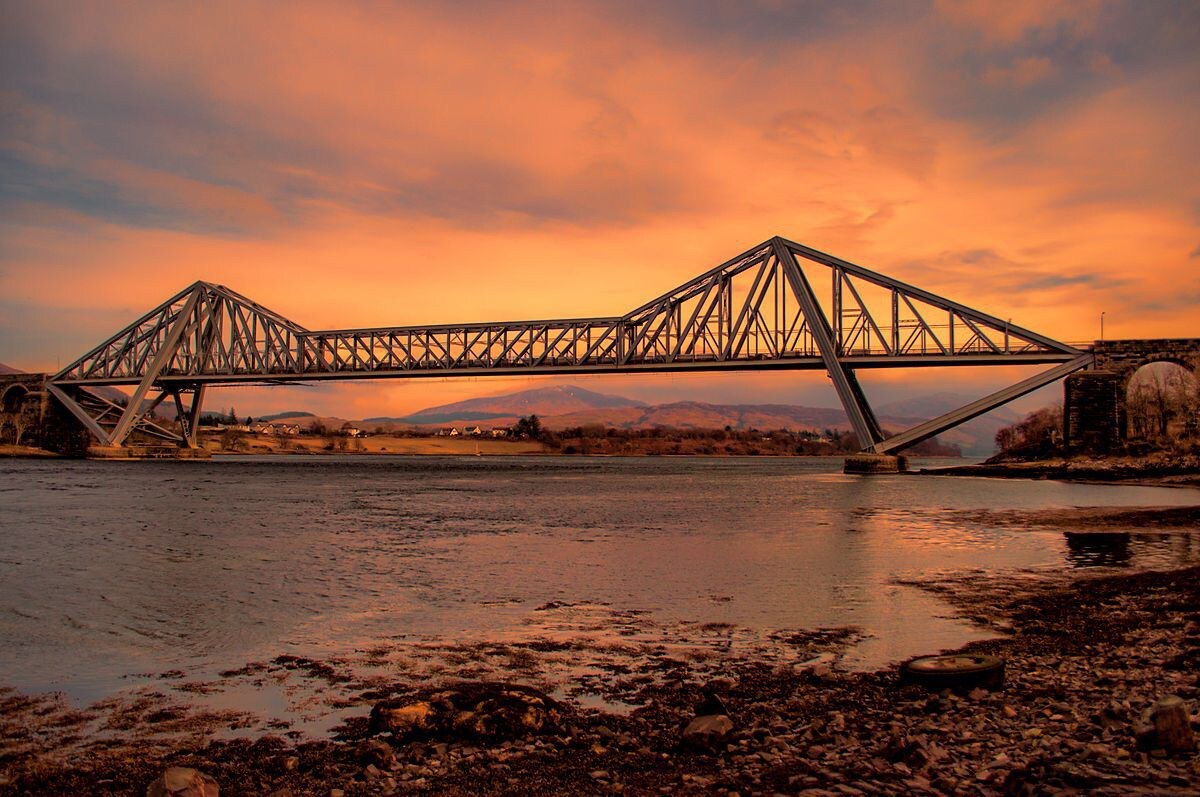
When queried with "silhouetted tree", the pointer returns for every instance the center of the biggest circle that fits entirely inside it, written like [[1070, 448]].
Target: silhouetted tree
[[530, 427], [233, 440], [1038, 435]]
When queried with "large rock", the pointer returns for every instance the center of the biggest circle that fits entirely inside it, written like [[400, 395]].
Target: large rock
[[377, 753], [708, 732], [183, 782], [1171, 726], [711, 703], [401, 718], [481, 710]]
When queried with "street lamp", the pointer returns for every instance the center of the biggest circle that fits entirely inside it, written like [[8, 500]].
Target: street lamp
[[1102, 312]]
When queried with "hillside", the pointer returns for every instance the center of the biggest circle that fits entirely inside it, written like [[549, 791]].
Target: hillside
[[544, 401], [701, 415], [564, 406]]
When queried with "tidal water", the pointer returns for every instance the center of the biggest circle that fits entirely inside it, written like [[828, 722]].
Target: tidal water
[[109, 570]]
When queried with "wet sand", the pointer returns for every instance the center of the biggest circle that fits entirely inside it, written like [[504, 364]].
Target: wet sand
[[1085, 655]]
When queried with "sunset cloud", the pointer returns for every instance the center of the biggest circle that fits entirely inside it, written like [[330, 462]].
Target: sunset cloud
[[373, 163]]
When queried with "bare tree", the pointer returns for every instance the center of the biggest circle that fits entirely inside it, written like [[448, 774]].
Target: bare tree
[[1162, 404], [1038, 435], [1158, 395], [21, 422], [234, 440]]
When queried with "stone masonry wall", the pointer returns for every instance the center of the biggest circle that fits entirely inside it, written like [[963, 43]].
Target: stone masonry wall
[[27, 406], [1094, 400], [1093, 404]]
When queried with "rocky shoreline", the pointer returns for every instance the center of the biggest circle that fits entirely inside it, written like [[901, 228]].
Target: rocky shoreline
[[1084, 658], [1161, 470]]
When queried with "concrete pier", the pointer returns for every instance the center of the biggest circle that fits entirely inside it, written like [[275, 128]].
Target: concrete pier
[[147, 452], [875, 463]]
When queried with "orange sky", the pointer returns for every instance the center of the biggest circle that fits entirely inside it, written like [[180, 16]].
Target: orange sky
[[373, 164]]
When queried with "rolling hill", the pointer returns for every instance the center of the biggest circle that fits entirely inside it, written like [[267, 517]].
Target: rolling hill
[[565, 406], [544, 401]]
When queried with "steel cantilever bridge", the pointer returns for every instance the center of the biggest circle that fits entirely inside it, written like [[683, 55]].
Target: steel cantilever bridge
[[758, 310]]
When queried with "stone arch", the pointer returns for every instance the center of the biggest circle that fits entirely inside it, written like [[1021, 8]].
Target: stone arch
[[1155, 404], [13, 399], [1186, 363], [1095, 400]]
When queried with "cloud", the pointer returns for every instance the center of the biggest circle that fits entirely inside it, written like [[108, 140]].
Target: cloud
[[999, 65], [882, 136], [985, 271], [1009, 21], [1022, 73], [387, 123]]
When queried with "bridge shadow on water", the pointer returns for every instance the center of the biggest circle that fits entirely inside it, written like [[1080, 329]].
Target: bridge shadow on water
[[1127, 548]]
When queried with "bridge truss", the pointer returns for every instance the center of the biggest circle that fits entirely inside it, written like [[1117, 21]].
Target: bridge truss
[[759, 310]]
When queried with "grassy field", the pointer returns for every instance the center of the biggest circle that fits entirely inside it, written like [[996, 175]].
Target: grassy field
[[379, 444], [9, 450]]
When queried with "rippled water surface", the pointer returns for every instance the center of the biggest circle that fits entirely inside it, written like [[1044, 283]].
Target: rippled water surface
[[111, 569]]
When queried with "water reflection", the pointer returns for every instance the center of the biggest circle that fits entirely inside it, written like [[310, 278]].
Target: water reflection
[[1098, 548], [1143, 549], [109, 569]]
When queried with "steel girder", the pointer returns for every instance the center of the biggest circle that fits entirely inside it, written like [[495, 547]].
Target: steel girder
[[759, 310]]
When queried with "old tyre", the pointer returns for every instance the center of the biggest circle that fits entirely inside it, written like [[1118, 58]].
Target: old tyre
[[960, 672]]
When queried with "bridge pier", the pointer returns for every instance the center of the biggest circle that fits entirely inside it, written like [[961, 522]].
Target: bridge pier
[[1094, 401], [1093, 411], [35, 412], [867, 464], [30, 416], [147, 452]]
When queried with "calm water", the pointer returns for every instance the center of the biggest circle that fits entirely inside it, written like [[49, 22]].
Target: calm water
[[112, 569]]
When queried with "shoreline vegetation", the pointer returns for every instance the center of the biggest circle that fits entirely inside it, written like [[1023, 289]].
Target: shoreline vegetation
[[528, 436], [579, 441], [586, 701], [1163, 469], [1160, 444]]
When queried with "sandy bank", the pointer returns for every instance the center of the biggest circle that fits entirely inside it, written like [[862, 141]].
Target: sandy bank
[[9, 450]]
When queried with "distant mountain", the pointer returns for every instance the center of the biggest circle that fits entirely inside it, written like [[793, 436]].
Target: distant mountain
[[8, 369], [280, 416], [976, 436], [932, 405], [562, 407], [565, 406], [544, 401], [701, 415]]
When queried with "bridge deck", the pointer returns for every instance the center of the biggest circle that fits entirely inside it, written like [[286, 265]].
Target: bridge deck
[[551, 367]]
